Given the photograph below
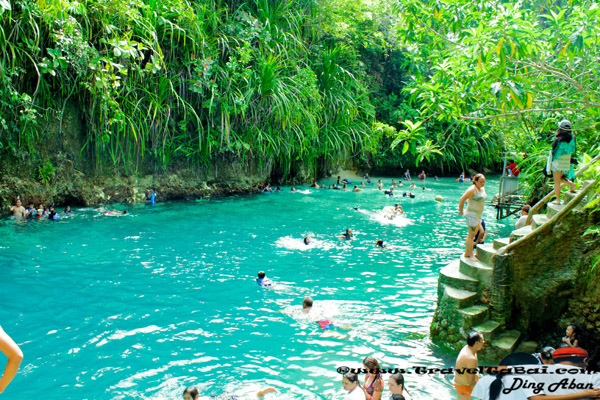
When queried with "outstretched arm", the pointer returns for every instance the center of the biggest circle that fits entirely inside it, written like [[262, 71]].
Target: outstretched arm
[[15, 356]]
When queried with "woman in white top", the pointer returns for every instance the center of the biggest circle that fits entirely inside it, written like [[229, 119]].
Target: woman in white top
[[475, 197], [355, 391]]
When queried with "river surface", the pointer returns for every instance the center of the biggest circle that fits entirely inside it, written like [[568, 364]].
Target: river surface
[[144, 304]]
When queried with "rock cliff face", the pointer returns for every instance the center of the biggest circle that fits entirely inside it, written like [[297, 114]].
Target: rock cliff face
[[72, 178]]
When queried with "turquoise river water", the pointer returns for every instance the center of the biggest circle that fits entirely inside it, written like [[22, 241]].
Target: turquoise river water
[[142, 305]]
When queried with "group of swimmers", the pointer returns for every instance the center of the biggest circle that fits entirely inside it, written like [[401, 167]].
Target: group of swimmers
[[32, 212]]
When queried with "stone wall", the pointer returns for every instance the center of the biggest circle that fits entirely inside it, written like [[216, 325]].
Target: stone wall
[[542, 273]]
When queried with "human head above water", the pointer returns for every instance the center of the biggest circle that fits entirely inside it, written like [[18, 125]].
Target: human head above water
[[396, 383], [350, 381], [307, 302], [261, 274], [191, 393], [474, 338]]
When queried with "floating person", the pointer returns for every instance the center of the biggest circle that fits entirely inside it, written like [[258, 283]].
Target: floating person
[[267, 189], [346, 181], [348, 235], [422, 176], [411, 195], [475, 197], [263, 281], [293, 189], [339, 180], [323, 186], [467, 361], [15, 356], [326, 325], [351, 385], [307, 240], [192, 393], [413, 185], [389, 193], [379, 243], [362, 184], [379, 184], [356, 189], [278, 189], [436, 178], [393, 183], [316, 185], [68, 210], [366, 177], [17, 210]]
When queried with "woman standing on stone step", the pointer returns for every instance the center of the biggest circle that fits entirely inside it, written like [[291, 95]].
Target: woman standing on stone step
[[562, 149], [475, 197]]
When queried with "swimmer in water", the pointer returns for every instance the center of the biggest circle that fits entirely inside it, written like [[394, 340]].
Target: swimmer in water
[[307, 240], [413, 186], [348, 235], [263, 281], [192, 393], [356, 189], [326, 325], [293, 189], [379, 243]]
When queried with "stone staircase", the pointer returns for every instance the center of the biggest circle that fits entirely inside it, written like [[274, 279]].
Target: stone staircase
[[464, 289]]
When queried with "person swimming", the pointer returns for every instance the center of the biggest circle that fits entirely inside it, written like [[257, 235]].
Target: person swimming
[[348, 235], [379, 243], [263, 281], [307, 240]]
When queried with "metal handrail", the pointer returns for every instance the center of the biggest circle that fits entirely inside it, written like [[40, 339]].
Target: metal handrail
[[547, 198]]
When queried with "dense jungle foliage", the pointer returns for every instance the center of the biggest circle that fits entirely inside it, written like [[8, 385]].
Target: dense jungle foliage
[[442, 85]]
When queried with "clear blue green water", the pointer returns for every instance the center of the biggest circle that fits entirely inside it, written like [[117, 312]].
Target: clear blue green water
[[141, 306]]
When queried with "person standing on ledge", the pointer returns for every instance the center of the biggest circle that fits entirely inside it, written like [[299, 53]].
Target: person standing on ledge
[[562, 149], [464, 381], [475, 197], [15, 356]]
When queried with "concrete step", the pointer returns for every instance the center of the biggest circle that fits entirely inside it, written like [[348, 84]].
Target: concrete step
[[485, 253], [473, 315], [528, 347], [553, 209], [538, 220], [498, 243], [476, 270], [450, 275], [507, 341], [460, 298], [519, 233], [489, 329], [570, 196]]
